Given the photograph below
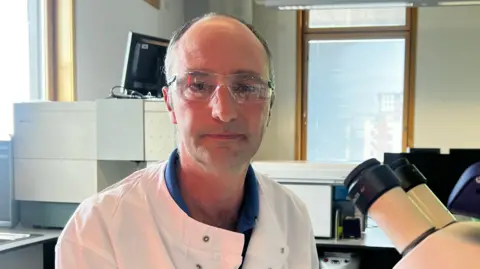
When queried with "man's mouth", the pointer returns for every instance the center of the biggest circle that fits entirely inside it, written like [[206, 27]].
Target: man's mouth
[[225, 136]]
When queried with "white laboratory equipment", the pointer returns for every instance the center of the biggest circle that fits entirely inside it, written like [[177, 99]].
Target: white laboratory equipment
[[8, 205], [339, 260], [65, 152], [314, 184]]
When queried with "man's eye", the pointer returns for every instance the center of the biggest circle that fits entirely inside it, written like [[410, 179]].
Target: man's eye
[[245, 88], [197, 86]]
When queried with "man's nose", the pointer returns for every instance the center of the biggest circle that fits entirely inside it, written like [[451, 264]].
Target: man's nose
[[224, 107]]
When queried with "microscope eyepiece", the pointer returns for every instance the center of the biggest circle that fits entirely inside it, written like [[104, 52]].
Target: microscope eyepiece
[[398, 163], [414, 184], [352, 178], [409, 175], [368, 181]]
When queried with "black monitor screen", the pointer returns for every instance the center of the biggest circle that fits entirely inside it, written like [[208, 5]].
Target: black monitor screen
[[144, 63]]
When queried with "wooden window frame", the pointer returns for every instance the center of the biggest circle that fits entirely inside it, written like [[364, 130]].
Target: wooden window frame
[[304, 34], [60, 50]]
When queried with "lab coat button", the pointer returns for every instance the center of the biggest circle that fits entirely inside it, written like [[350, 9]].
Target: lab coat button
[[199, 266], [282, 250], [206, 238]]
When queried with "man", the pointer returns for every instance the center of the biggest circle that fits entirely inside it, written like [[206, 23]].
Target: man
[[205, 207]]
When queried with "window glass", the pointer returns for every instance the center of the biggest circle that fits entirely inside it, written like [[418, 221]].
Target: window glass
[[372, 17], [355, 99]]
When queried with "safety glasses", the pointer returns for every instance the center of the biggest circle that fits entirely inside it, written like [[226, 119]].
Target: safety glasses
[[202, 86]]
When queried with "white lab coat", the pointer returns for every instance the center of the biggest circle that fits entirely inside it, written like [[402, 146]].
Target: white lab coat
[[136, 224]]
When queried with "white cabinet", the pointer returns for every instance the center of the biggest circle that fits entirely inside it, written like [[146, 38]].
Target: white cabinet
[[133, 130], [23, 258], [55, 130], [160, 133], [8, 212], [119, 129], [68, 151]]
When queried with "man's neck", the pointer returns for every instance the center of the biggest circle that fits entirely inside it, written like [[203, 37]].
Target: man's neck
[[211, 198]]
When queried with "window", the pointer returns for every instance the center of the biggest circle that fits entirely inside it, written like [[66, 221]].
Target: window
[[354, 18], [21, 67], [356, 83], [36, 52]]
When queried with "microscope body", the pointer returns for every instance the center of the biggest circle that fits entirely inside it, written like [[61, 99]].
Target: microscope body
[[425, 238], [454, 246]]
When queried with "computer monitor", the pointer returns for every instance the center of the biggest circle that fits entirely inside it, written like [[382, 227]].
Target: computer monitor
[[144, 64], [425, 150]]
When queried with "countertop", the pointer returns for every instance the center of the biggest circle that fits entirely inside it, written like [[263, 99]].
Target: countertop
[[372, 238], [44, 236]]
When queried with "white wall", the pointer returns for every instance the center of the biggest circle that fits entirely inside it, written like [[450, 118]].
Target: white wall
[[447, 81], [240, 8], [195, 8], [279, 28], [101, 37], [447, 99]]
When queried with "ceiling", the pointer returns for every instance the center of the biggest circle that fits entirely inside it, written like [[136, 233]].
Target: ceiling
[[315, 4]]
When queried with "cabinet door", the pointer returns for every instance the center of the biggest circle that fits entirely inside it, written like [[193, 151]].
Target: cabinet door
[[18, 258], [160, 139], [6, 182], [55, 180]]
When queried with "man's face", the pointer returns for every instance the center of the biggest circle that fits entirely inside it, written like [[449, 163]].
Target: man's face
[[219, 133]]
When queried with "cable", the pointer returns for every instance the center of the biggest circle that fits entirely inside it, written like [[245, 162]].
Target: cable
[[117, 96], [129, 94]]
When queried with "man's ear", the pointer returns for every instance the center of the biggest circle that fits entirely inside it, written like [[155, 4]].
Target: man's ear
[[270, 109], [269, 116], [169, 104]]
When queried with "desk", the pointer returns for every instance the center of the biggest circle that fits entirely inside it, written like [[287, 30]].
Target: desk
[[34, 252], [372, 238], [375, 249]]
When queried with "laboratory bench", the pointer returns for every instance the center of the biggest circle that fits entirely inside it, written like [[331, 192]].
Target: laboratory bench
[[375, 249], [372, 238], [31, 248]]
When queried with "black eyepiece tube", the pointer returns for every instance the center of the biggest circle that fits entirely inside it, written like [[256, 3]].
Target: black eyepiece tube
[[415, 185], [409, 175], [368, 181]]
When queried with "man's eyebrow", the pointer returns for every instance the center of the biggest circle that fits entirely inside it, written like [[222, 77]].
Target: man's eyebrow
[[246, 72], [198, 72], [237, 71]]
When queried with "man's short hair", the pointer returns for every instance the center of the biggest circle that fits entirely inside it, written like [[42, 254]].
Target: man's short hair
[[177, 35]]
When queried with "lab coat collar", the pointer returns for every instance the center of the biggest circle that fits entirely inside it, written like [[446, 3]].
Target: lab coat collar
[[186, 231], [267, 245]]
